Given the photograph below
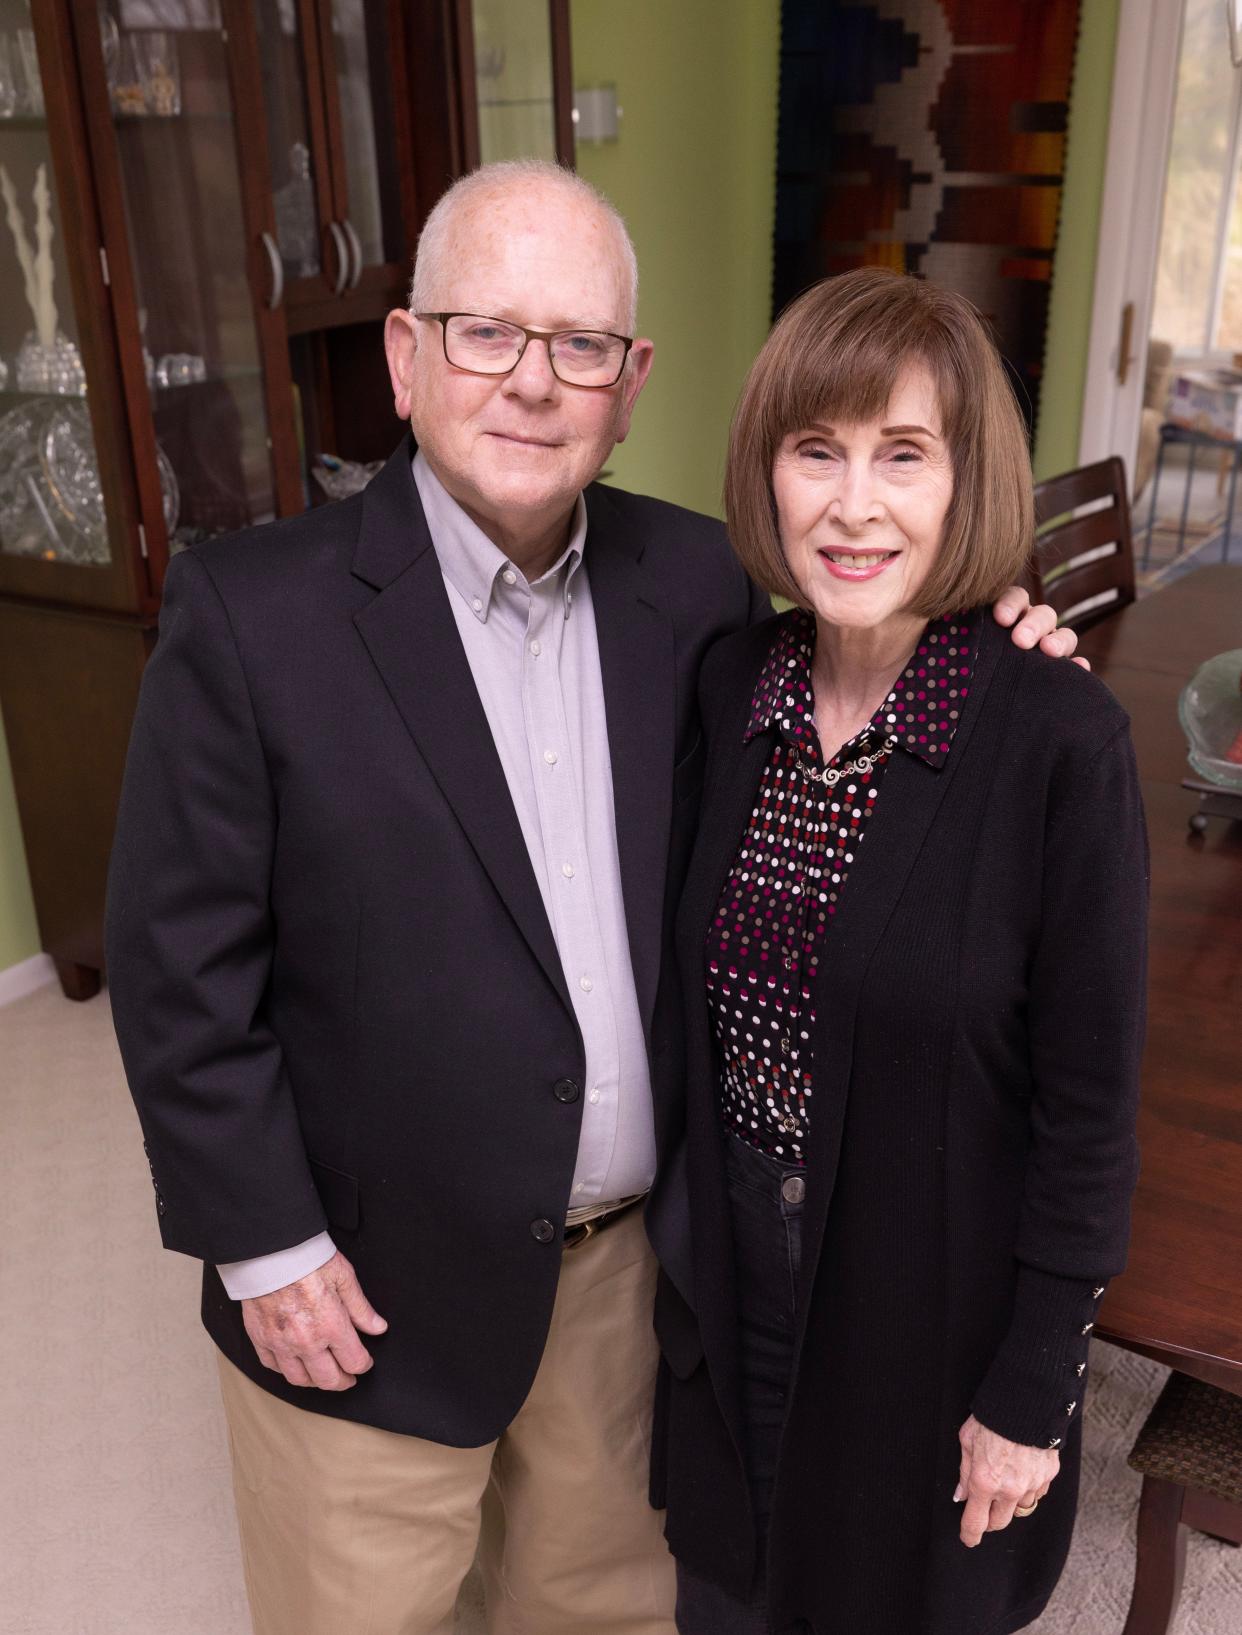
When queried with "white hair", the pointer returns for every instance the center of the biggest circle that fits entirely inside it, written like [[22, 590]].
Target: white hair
[[431, 263]]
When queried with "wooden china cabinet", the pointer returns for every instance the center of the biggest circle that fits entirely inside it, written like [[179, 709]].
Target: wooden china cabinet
[[208, 208]]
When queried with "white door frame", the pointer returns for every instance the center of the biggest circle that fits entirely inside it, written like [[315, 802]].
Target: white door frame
[[1139, 132]]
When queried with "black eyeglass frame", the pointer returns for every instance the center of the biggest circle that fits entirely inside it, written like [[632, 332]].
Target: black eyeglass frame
[[548, 335]]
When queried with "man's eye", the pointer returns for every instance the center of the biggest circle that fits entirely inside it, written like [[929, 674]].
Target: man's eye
[[586, 346]]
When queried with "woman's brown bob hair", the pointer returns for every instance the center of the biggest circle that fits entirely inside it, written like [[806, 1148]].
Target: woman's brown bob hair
[[834, 356]]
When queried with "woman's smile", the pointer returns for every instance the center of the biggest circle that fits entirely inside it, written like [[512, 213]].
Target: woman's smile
[[856, 564]]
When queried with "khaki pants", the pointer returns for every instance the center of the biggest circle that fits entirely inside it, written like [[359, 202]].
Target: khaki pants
[[351, 1530]]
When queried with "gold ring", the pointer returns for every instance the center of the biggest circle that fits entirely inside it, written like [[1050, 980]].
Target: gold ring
[[1025, 1510]]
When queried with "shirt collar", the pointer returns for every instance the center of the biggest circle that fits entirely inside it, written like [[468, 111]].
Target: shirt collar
[[471, 562], [921, 712]]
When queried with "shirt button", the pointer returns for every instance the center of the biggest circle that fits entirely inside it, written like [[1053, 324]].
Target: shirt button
[[788, 962], [535, 649], [585, 983], [509, 577], [786, 1045], [542, 1230], [593, 1096], [566, 1090], [567, 869], [549, 756], [580, 1188], [477, 605], [789, 1124]]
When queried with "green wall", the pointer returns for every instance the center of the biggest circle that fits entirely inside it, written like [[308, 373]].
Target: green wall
[[19, 935], [693, 172], [1073, 275]]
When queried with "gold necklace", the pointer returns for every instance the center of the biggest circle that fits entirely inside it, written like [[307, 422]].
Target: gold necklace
[[830, 776]]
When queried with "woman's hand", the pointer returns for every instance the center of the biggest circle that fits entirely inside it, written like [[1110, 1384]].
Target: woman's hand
[[997, 1477]]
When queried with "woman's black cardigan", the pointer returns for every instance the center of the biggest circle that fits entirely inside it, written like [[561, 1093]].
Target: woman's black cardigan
[[979, 1015]]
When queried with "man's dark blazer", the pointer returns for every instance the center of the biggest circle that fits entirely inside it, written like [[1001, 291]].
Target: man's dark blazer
[[335, 987]]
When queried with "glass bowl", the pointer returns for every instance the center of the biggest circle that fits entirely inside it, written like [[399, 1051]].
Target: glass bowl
[[1210, 710]]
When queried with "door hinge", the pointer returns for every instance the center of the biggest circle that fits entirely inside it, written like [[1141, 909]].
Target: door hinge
[[1124, 355], [103, 266], [142, 541]]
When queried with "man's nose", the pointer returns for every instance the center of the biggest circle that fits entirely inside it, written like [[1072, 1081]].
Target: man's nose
[[532, 377]]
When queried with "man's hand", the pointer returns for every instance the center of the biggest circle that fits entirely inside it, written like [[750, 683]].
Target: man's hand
[[307, 1331], [1035, 624], [997, 1477]]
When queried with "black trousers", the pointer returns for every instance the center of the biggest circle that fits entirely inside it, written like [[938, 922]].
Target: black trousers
[[766, 1198]]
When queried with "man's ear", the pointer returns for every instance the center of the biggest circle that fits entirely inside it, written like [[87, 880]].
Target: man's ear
[[400, 345], [637, 368]]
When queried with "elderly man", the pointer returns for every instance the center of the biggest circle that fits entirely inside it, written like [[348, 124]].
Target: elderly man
[[411, 786]]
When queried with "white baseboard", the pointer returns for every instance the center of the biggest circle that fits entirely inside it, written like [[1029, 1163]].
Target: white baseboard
[[19, 980]]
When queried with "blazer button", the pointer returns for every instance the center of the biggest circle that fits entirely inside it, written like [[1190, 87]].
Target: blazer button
[[566, 1090], [542, 1231]]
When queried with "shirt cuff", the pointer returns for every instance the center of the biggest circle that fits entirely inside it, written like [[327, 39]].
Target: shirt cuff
[[247, 1279], [1033, 1391]]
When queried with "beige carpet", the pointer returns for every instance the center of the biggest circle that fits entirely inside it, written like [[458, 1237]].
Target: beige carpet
[[115, 1512]]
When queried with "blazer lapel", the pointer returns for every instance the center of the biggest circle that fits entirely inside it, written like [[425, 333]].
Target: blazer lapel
[[734, 770], [412, 638], [635, 639]]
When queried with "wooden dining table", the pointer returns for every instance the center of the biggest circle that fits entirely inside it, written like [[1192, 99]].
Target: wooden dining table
[[1180, 1298]]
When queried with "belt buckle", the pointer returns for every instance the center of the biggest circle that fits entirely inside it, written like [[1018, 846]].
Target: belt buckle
[[580, 1233]]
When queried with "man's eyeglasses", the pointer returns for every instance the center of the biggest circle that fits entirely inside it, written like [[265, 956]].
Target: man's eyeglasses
[[493, 346]]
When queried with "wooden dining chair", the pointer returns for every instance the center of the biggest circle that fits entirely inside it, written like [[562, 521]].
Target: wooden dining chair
[[1083, 562], [1190, 1454]]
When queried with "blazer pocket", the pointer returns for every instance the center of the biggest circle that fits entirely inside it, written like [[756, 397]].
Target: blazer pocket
[[338, 1193], [688, 773]]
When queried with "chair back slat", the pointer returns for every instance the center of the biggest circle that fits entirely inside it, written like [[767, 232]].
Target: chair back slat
[[1083, 561]]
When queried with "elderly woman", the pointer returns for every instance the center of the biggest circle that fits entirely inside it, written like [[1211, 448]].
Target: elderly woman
[[912, 946]]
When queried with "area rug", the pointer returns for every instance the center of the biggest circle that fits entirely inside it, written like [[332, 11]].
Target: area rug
[[1093, 1596]]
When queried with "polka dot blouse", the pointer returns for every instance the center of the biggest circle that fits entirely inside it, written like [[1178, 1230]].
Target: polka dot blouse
[[791, 867]]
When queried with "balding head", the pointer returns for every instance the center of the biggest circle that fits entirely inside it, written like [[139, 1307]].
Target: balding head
[[534, 246], [478, 205]]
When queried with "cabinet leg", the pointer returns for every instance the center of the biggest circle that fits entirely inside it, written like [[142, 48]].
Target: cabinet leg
[[1160, 1559], [77, 981]]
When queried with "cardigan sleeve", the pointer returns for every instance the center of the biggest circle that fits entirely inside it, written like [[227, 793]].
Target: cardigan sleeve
[[1086, 1010]]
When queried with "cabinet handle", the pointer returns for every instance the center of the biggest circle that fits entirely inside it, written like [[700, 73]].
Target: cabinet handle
[[355, 245], [278, 271], [342, 256]]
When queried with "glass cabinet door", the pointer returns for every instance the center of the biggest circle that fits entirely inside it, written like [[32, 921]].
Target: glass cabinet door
[[296, 151], [172, 115], [359, 57], [521, 51], [52, 506]]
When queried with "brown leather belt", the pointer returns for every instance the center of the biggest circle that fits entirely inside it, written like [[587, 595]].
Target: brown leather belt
[[575, 1236]]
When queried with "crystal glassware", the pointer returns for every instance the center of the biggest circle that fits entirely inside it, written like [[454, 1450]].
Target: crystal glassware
[[56, 368], [8, 78], [159, 70], [30, 88], [1210, 710]]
